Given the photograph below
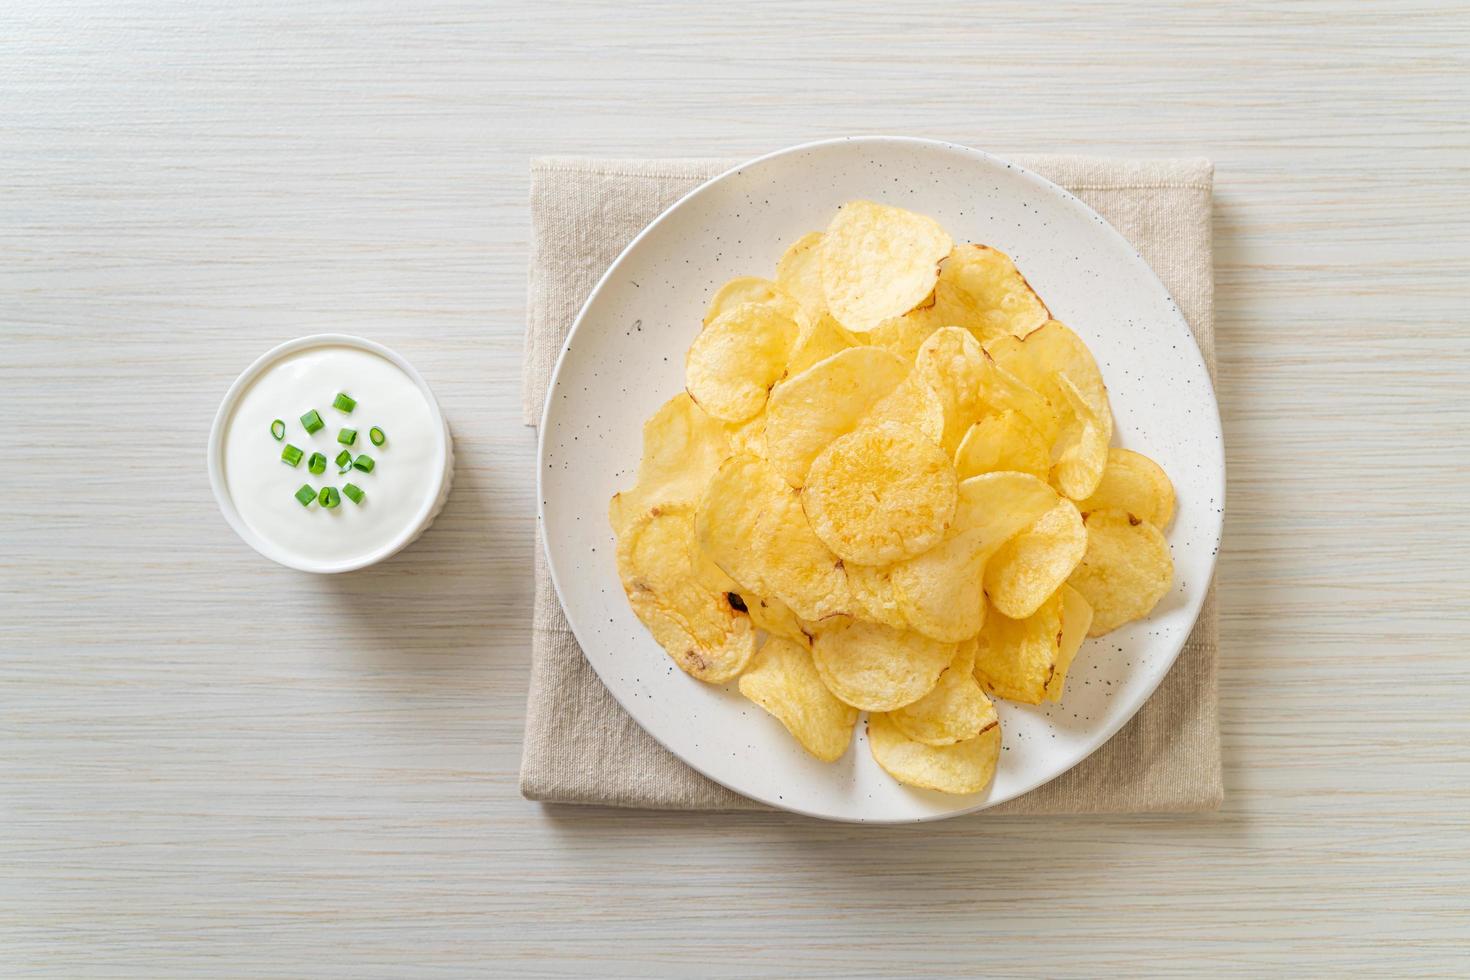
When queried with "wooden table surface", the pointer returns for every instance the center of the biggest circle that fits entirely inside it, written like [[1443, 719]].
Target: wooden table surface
[[211, 765]]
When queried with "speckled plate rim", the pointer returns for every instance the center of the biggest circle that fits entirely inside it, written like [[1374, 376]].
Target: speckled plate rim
[[1197, 597]]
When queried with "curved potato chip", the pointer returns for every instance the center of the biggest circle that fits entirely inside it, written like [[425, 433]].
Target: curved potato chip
[[980, 289], [1015, 659], [964, 767], [734, 361], [1076, 621], [1133, 482], [774, 617], [753, 289], [1034, 564], [682, 447], [751, 525], [699, 627], [818, 340], [799, 273], [904, 335], [879, 262], [873, 595], [880, 494], [940, 593], [806, 412], [879, 668], [1003, 443], [782, 680], [951, 363], [1080, 454], [1126, 570], [1051, 350], [912, 403], [954, 711]]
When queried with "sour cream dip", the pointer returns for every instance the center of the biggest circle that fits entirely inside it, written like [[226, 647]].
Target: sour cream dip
[[316, 521]]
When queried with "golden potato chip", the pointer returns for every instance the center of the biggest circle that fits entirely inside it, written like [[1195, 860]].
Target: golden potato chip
[[829, 399], [752, 289], [1051, 350], [1125, 571], [939, 593], [782, 680], [1076, 620], [881, 493], [1000, 391], [751, 524], [879, 262], [980, 289], [914, 404], [745, 437], [904, 335], [775, 617], [1133, 482], [707, 636], [964, 767], [799, 273], [682, 447], [1003, 443], [818, 340], [954, 711], [879, 668], [873, 595], [1015, 659], [734, 361], [1032, 565], [1080, 453]]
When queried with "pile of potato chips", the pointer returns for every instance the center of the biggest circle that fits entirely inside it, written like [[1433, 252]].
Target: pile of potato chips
[[888, 488]]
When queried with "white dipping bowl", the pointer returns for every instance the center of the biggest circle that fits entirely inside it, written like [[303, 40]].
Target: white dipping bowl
[[432, 462]]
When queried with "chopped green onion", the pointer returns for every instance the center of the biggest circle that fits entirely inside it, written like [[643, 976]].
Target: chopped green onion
[[291, 456], [278, 429], [347, 436], [312, 422], [329, 497], [354, 493], [364, 463], [317, 463], [376, 435], [343, 404], [306, 494], [344, 461]]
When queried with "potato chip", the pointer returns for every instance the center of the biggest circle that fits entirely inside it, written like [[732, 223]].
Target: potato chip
[[734, 361], [704, 633], [904, 335], [1015, 659], [940, 593], [964, 767], [1076, 621], [773, 616], [1003, 443], [1133, 482], [752, 289], [951, 363], [914, 404], [829, 399], [1125, 571], [881, 493], [879, 668], [980, 288], [873, 595], [817, 340], [1034, 564], [1049, 351], [751, 524], [954, 711], [1080, 453], [782, 680], [879, 262], [799, 273], [745, 437], [682, 447]]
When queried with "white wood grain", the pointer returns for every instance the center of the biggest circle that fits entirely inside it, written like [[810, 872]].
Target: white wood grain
[[212, 765]]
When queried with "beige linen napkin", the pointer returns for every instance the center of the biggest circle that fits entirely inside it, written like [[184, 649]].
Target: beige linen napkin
[[581, 747]]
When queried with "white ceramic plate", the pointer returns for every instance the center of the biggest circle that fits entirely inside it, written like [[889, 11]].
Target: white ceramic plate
[[625, 357]]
